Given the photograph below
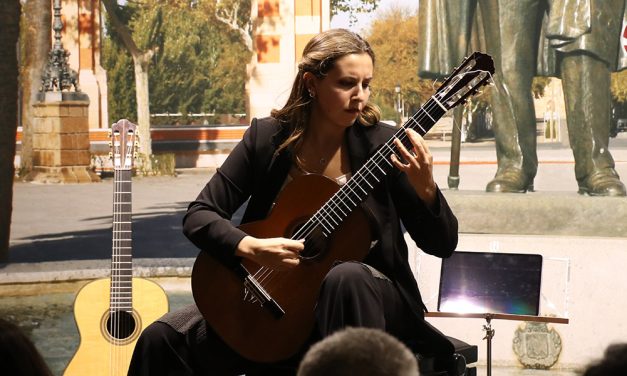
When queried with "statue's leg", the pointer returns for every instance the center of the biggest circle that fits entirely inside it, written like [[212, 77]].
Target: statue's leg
[[586, 82], [512, 103]]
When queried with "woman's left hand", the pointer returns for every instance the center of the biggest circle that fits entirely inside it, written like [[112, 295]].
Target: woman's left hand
[[418, 166]]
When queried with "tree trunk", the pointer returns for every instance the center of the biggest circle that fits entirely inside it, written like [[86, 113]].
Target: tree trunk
[[9, 19], [141, 64], [35, 37], [141, 61]]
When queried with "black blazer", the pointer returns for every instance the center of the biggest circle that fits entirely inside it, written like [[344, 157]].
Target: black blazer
[[254, 172]]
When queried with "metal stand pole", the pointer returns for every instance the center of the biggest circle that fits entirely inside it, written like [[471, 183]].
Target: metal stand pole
[[453, 175], [489, 333]]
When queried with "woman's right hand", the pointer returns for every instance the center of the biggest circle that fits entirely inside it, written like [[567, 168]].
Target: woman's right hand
[[275, 253]]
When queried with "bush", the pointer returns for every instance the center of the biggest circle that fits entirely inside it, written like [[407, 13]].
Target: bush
[[162, 165]]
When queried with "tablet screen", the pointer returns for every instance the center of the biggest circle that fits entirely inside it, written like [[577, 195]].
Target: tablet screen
[[488, 282]]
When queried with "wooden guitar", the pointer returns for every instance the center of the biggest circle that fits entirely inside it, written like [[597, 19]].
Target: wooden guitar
[[265, 315], [111, 312]]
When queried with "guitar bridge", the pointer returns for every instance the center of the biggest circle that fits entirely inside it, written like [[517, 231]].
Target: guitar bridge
[[260, 295]]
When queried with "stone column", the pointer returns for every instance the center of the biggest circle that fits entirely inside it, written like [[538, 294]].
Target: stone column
[[61, 140]]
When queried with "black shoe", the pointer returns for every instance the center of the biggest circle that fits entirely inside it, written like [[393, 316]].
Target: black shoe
[[603, 183], [510, 181]]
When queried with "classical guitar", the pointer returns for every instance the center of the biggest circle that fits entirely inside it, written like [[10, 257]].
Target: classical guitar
[[111, 312], [267, 315]]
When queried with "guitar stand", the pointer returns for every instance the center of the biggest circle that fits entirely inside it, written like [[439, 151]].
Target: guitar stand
[[489, 334]]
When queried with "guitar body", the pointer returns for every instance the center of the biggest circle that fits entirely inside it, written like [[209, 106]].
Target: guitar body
[[101, 352], [251, 329]]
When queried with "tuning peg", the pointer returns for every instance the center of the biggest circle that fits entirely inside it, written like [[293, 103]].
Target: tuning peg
[[111, 155], [109, 132]]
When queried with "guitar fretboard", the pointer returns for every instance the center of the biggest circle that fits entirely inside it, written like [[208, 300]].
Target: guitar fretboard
[[122, 262], [357, 188]]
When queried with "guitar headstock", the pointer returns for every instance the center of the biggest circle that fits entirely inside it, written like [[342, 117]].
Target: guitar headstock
[[123, 142], [474, 72]]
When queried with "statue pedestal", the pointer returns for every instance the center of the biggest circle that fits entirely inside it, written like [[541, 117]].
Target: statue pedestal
[[61, 141], [582, 242], [538, 213]]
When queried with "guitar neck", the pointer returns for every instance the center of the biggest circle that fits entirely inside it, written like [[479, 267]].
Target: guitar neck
[[356, 189], [121, 297]]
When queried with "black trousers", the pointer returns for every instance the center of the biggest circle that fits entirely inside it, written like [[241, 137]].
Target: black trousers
[[352, 294]]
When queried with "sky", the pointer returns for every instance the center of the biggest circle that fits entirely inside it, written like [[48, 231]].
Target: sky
[[364, 20]]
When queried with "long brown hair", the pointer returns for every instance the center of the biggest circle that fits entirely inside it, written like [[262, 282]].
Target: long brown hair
[[319, 57]]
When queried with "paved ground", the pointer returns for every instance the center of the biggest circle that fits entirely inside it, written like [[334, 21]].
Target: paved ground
[[73, 221], [63, 232]]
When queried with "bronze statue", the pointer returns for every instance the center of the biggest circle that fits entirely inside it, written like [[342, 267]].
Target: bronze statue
[[576, 40]]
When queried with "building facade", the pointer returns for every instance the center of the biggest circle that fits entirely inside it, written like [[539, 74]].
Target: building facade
[[281, 30], [81, 37]]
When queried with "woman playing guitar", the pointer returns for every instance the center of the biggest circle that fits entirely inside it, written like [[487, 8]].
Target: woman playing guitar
[[325, 133]]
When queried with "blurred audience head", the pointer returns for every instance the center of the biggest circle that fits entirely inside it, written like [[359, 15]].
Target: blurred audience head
[[359, 351], [613, 363], [18, 354]]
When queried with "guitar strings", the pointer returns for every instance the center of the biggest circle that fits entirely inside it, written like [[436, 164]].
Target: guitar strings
[[118, 357], [112, 318], [319, 217], [115, 281], [402, 137], [112, 325], [264, 274], [126, 319]]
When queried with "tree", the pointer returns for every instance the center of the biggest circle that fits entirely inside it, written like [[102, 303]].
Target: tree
[[142, 55], [9, 19], [394, 37], [353, 7], [197, 67], [236, 14], [118, 63], [35, 36]]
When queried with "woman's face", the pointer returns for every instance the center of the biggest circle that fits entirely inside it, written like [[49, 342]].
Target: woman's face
[[344, 91]]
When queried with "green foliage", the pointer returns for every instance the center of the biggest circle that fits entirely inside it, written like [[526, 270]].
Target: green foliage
[[163, 164], [394, 39], [237, 12], [120, 81], [619, 86], [353, 7], [199, 65]]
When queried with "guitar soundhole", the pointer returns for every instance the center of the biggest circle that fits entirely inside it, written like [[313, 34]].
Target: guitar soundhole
[[121, 324], [315, 245]]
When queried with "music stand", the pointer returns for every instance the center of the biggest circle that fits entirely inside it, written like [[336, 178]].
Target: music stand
[[491, 285]]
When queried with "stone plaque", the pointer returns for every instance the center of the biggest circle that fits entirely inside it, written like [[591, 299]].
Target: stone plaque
[[536, 346]]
